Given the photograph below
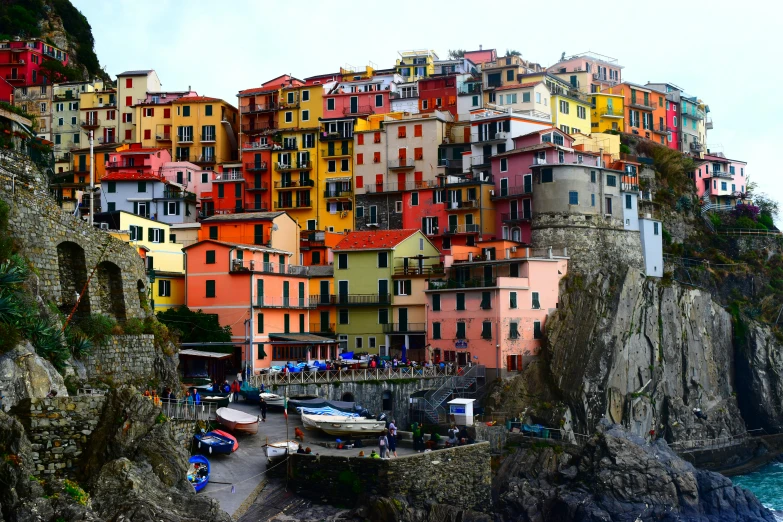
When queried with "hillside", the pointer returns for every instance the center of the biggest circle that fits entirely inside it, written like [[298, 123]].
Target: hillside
[[57, 22]]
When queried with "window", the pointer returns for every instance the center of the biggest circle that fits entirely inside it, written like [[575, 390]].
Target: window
[[113, 206], [379, 100], [512, 299], [342, 316], [186, 110], [723, 185], [486, 300], [581, 112], [486, 330], [402, 287], [213, 232], [503, 164], [305, 95], [210, 257], [510, 75], [414, 199], [565, 128], [345, 165], [383, 259], [111, 187], [417, 130], [401, 131], [342, 261], [286, 323], [674, 121], [546, 176], [129, 83], [359, 212], [535, 300], [460, 330], [573, 198], [210, 288], [164, 288], [475, 101], [260, 322], [436, 330], [128, 101], [564, 106], [655, 228], [628, 201], [460, 301], [537, 330], [142, 186], [289, 116], [383, 316], [330, 107], [436, 302], [171, 208], [424, 105], [560, 156], [611, 181], [305, 115], [513, 330]]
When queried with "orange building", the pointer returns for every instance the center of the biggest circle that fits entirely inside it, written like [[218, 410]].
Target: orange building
[[261, 295], [272, 229], [645, 111]]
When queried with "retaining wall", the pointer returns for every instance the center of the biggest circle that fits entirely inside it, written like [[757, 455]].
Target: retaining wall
[[123, 359]]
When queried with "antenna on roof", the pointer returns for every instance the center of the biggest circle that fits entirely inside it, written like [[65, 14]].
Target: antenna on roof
[[562, 57]]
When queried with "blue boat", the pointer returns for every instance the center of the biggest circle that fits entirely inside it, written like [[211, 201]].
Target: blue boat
[[196, 480], [214, 442]]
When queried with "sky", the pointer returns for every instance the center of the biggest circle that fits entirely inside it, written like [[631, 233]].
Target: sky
[[708, 48]]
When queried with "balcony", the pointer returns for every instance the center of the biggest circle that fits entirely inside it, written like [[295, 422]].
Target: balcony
[[455, 164], [336, 152], [493, 137], [468, 179], [257, 166], [611, 113], [451, 230], [470, 204], [363, 299], [255, 145], [335, 136], [240, 265], [299, 165], [478, 161], [180, 195], [478, 282], [204, 159], [323, 299], [293, 104], [402, 95], [410, 270], [257, 187], [361, 110], [401, 163], [125, 164], [694, 114], [513, 191], [404, 328], [185, 138], [381, 188], [292, 205], [282, 302], [288, 144], [208, 137], [258, 107], [295, 184], [251, 208], [660, 129], [506, 217], [722, 174], [338, 194], [16, 78], [696, 146], [229, 176], [163, 136], [641, 104], [259, 127], [91, 123], [322, 328], [466, 89], [708, 124]]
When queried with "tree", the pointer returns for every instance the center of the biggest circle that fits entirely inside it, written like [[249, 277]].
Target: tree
[[513, 52], [456, 53], [195, 327], [766, 205]]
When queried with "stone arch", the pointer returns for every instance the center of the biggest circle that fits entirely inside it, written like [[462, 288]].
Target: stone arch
[[72, 268], [347, 397], [110, 292]]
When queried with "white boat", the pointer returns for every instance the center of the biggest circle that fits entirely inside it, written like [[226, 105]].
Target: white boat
[[237, 421], [278, 449], [273, 399], [343, 425]]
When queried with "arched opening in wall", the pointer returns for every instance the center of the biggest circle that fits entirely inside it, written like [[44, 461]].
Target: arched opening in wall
[[347, 397], [110, 293], [72, 269], [142, 294], [516, 234], [387, 401]]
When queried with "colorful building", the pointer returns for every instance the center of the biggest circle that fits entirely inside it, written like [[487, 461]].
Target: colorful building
[[98, 114], [66, 120], [721, 181], [590, 72], [415, 64], [380, 278], [132, 88], [608, 112], [21, 60], [273, 229], [490, 306], [532, 98], [70, 186], [439, 93], [506, 70], [203, 131], [152, 115], [641, 103], [36, 100]]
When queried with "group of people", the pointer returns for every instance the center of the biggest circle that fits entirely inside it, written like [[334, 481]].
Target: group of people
[[167, 396], [387, 442]]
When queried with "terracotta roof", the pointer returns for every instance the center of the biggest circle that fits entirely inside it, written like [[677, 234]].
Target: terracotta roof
[[257, 90], [374, 240], [255, 248], [517, 86], [148, 149], [133, 176], [197, 99], [244, 216]]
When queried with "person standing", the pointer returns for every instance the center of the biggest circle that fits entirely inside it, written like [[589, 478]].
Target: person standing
[[196, 397], [383, 445], [392, 438], [235, 387], [263, 409]]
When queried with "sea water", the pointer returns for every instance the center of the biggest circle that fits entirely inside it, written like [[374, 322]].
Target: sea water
[[767, 485]]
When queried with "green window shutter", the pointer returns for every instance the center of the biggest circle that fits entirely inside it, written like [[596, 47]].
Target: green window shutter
[[460, 330], [436, 330], [302, 296], [460, 301], [135, 207], [512, 299], [178, 207], [210, 257], [211, 288], [213, 232], [485, 299], [150, 234], [286, 323], [260, 323], [407, 284], [301, 323], [436, 302]]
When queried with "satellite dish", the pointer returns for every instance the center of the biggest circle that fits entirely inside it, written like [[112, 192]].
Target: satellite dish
[[274, 227]]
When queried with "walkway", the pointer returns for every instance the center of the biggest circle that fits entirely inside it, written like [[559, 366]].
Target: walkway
[[327, 377]]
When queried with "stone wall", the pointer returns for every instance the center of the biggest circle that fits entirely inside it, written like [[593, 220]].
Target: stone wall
[[123, 359], [59, 430], [590, 244], [460, 477], [182, 432], [388, 219], [368, 394], [64, 249]]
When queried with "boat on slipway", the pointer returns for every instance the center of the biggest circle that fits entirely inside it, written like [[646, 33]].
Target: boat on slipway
[[237, 421], [278, 449], [216, 442], [194, 477], [347, 425]]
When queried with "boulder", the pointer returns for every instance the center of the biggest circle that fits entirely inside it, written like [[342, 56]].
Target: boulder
[[25, 375]]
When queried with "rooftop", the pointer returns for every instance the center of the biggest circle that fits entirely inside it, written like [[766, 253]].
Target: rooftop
[[374, 240], [142, 72], [243, 246], [134, 176], [321, 270], [517, 86], [245, 216]]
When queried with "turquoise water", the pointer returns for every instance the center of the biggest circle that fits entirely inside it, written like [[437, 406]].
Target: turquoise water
[[767, 485]]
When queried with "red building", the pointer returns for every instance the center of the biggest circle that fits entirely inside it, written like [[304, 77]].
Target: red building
[[20, 62], [481, 56], [438, 94], [423, 210]]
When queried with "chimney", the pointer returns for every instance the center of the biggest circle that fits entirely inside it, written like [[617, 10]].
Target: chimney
[[481, 47]]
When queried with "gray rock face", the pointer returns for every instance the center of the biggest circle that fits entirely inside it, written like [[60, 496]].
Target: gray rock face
[[760, 377], [644, 355], [25, 375], [617, 477]]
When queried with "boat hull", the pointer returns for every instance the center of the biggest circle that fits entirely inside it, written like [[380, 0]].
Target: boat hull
[[199, 484], [242, 423], [278, 449], [343, 426]]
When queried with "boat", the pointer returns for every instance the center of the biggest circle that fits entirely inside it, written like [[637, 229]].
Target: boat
[[216, 442], [273, 399], [220, 400], [237, 421], [344, 406], [278, 449], [343, 424], [253, 394], [195, 480]]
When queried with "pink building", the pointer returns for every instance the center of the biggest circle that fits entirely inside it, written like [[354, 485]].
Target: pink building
[[138, 159], [720, 180], [604, 71], [491, 306], [358, 98], [256, 291], [513, 177]]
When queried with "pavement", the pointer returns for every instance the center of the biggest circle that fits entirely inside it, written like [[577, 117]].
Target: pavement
[[244, 469]]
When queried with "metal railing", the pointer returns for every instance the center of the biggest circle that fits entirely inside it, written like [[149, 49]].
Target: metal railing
[[305, 183], [263, 301], [255, 145], [462, 229], [238, 265], [263, 185], [344, 193], [257, 107], [256, 166], [722, 174], [399, 95], [331, 136], [259, 127], [401, 163], [373, 188], [163, 136], [322, 328], [283, 205], [345, 375], [337, 151], [182, 410], [404, 327], [361, 109], [415, 270], [650, 106], [296, 165], [477, 282], [229, 176], [363, 299], [519, 216], [513, 190], [451, 163], [469, 204]]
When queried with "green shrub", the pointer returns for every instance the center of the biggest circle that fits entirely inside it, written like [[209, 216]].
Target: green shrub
[[745, 222], [97, 327], [9, 337], [766, 220], [78, 343], [133, 326], [625, 149], [76, 492]]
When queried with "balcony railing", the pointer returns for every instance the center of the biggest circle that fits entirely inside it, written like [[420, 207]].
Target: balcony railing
[[259, 187], [322, 328], [204, 158], [611, 113], [418, 271], [708, 124], [722, 174], [292, 205], [174, 194], [323, 299], [251, 208], [478, 282], [242, 265], [479, 160], [451, 163], [16, 78], [378, 188], [360, 110], [337, 151], [91, 123], [185, 138], [469, 204], [469, 179], [695, 114], [229, 176], [513, 190], [462, 229], [342, 193], [696, 146], [641, 104], [282, 302], [253, 128], [209, 136], [469, 88], [125, 164], [333, 136], [507, 217], [401, 163], [363, 299], [163, 136], [297, 165], [660, 129], [258, 107], [255, 145], [304, 183], [256, 166], [401, 95], [404, 327]]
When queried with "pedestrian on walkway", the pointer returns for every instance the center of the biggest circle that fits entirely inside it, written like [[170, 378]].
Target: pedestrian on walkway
[[235, 387], [392, 438], [418, 437], [263, 409], [383, 445]]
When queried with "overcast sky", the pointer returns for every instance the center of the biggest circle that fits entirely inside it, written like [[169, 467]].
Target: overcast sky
[[709, 48]]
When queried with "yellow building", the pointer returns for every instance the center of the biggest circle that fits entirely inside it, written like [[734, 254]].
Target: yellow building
[[580, 80], [571, 108], [165, 260], [132, 88], [98, 112], [608, 112], [416, 64], [599, 143], [203, 131]]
